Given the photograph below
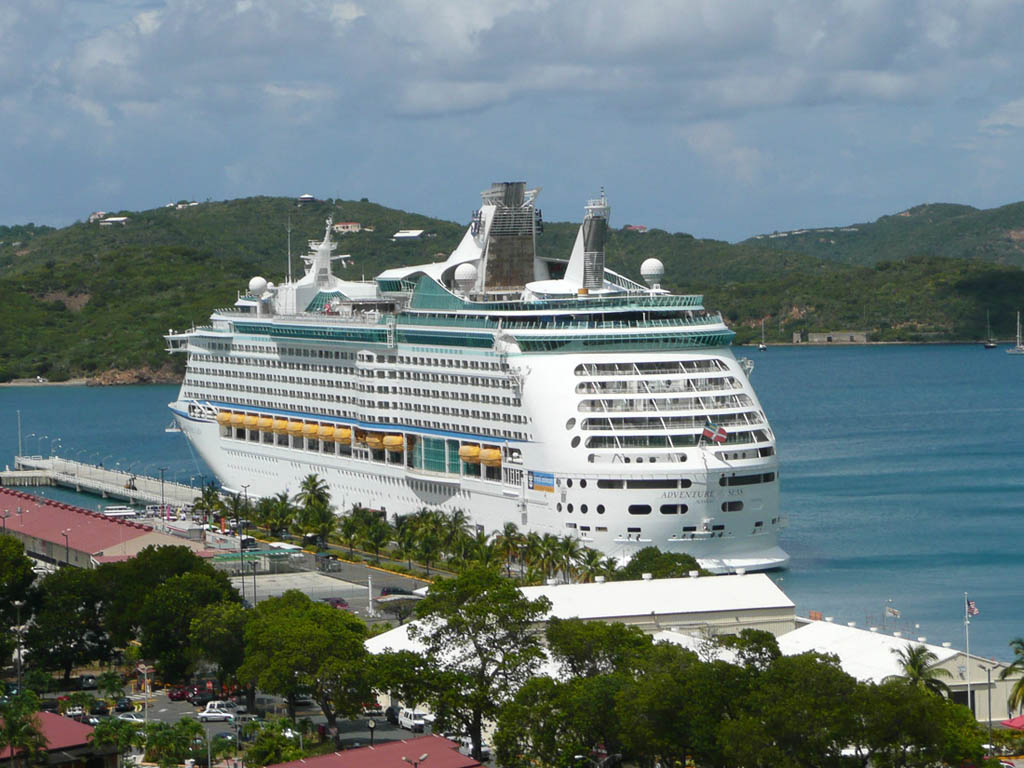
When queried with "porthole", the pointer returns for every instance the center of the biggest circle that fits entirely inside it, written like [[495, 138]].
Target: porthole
[[583, 483], [575, 441], [570, 423], [569, 482], [639, 509], [558, 506], [583, 509], [569, 507], [600, 509]]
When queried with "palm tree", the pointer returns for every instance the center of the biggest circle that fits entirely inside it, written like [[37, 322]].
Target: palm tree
[[313, 490], [317, 519], [918, 665], [1016, 667], [110, 684], [568, 550], [349, 531], [280, 513], [119, 733], [590, 565], [548, 559], [456, 531], [430, 528], [208, 503], [376, 536], [405, 535], [20, 729], [509, 542]]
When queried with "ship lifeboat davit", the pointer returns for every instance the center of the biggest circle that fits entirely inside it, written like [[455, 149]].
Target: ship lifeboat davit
[[265, 423], [294, 427], [394, 443], [280, 426], [470, 453], [237, 419], [310, 430], [490, 457], [374, 441], [251, 421], [342, 434], [326, 432], [224, 418]]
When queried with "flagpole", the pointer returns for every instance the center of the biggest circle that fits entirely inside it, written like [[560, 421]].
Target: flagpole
[[967, 642]]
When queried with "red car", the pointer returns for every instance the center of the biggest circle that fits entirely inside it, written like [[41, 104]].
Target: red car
[[337, 602], [177, 694]]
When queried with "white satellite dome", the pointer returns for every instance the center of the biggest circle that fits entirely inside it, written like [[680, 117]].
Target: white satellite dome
[[257, 286], [465, 277], [652, 270]]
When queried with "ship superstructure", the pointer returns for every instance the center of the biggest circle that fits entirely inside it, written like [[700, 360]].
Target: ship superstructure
[[554, 394]]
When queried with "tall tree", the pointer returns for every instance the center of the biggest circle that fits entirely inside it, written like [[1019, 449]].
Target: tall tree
[[293, 644], [120, 734], [16, 577], [313, 490], [217, 633], [480, 636], [1015, 668]]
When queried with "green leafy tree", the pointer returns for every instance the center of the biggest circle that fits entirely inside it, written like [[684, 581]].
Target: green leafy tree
[[280, 513], [171, 744], [217, 634], [293, 644], [167, 616], [590, 648], [20, 730], [110, 684], [480, 645], [120, 734], [209, 503], [16, 577], [272, 746], [661, 565], [313, 491], [918, 665], [67, 629], [755, 649], [376, 536]]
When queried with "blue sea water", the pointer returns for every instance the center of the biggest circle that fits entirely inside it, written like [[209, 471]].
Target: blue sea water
[[902, 476]]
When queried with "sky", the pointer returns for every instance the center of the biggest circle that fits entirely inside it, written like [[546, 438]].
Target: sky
[[720, 118]]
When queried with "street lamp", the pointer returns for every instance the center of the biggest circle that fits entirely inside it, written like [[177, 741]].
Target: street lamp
[[241, 551], [56, 441], [417, 761], [988, 672], [67, 548], [371, 724], [17, 608], [163, 510], [253, 583]]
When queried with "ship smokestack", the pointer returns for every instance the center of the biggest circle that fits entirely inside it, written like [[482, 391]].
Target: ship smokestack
[[595, 235]]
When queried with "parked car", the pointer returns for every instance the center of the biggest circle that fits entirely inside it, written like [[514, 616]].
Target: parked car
[[391, 714], [132, 717], [388, 590], [177, 694], [99, 707], [123, 704], [337, 602], [215, 713], [88, 682], [411, 720], [200, 698], [48, 705]]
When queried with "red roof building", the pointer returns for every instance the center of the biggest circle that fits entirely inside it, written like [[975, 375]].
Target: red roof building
[[440, 752], [63, 533], [69, 744]]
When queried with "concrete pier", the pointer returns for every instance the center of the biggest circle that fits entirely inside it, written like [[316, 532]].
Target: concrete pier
[[90, 478]]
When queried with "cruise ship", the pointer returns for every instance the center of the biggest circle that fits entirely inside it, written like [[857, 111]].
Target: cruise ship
[[552, 393]]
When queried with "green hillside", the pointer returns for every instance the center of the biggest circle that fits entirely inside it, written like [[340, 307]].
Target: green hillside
[[953, 231], [86, 299]]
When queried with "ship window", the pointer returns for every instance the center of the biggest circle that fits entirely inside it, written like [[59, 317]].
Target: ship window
[[569, 424], [609, 483], [600, 511], [689, 528], [575, 441], [583, 508], [732, 506], [569, 507], [569, 482], [759, 523], [633, 530], [639, 509], [637, 484], [583, 483], [717, 527]]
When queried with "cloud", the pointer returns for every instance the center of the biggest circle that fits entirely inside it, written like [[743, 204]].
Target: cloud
[[716, 143], [1007, 116]]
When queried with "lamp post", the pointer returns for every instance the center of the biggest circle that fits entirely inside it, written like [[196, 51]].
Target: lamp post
[[241, 551], [17, 608], [163, 510], [254, 583], [55, 441], [988, 672], [415, 763], [371, 724], [67, 547]]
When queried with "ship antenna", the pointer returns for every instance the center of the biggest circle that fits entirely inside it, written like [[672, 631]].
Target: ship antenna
[[289, 248]]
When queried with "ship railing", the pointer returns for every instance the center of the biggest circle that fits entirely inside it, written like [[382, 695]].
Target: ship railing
[[554, 324]]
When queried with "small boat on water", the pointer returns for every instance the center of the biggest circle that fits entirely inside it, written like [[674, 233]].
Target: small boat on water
[[762, 346], [989, 342], [1019, 349]]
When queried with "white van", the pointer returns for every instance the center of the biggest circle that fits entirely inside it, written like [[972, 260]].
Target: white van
[[411, 720]]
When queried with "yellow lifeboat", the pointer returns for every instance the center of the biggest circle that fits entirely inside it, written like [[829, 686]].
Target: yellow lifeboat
[[470, 453], [326, 432], [374, 441], [237, 419], [360, 436], [265, 423], [310, 430], [394, 443], [223, 418], [251, 421], [294, 427], [490, 457], [280, 426], [342, 435]]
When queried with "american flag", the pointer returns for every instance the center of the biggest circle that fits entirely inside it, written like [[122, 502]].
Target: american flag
[[972, 609], [715, 433]]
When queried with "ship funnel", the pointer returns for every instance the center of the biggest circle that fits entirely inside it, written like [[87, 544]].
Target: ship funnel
[[595, 234]]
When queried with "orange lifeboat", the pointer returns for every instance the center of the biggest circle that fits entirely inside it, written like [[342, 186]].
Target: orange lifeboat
[[294, 427], [490, 457], [342, 435], [326, 432], [280, 426], [470, 453], [375, 441], [251, 421], [223, 418], [310, 429], [237, 419], [394, 443]]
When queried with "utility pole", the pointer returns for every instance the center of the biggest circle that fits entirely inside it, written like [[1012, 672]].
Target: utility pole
[[163, 509]]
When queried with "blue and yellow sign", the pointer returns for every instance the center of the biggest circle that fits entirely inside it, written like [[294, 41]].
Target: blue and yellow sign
[[541, 481]]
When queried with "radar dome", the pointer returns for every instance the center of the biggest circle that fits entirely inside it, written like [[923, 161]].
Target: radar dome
[[465, 277], [652, 270], [257, 286]]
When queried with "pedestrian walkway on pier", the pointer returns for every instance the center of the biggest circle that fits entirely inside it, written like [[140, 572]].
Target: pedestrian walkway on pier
[[91, 478]]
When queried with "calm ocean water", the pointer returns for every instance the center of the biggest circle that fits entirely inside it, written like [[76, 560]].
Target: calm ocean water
[[902, 476]]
